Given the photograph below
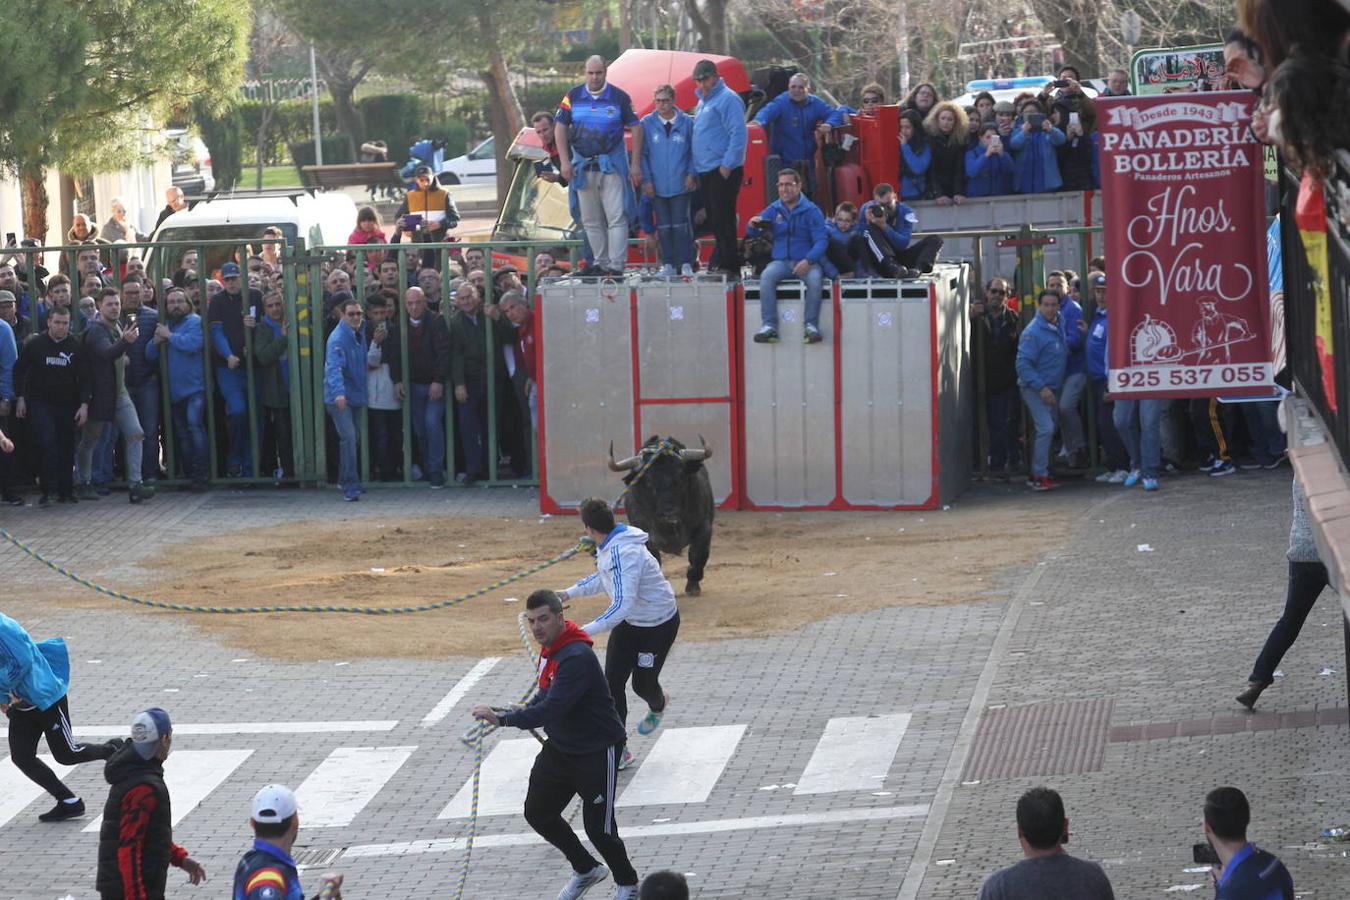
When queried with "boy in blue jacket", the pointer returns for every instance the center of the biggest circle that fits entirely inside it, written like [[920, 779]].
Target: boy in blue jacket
[[799, 245], [34, 679], [668, 177], [840, 231]]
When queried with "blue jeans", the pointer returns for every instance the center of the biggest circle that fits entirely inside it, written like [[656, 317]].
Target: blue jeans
[[1139, 424], [472, 419], [672, 229], [233, 385], [102, 467], [428, 426], [1306, 581], [146, 399], [189, 426], [1263, 425], [777, 271], [1043, 415], [344, 422], [54, 428]]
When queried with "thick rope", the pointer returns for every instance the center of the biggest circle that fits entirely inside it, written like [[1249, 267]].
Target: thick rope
[[583, 544], [479, 733]]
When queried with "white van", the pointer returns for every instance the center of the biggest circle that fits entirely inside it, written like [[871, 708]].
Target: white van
[[320, 219]]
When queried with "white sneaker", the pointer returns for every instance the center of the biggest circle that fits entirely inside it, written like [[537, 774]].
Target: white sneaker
[[626, 892], [687, 271], [626, 760], [1116, 477], [582, 882], [667, 272]]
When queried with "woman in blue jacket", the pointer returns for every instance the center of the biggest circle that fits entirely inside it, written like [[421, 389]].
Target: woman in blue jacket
[[989, 168], [915, 156], [1035, 167], [668, 178]]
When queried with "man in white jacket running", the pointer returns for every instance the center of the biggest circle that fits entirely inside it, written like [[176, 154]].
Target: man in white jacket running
[[641, 612]]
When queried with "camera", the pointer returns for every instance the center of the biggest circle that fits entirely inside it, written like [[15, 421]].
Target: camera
[[876, 212], [1060, 82]]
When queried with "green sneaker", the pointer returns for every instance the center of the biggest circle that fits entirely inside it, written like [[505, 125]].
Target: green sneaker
[[652, 720], [86, 492], [140, 491]]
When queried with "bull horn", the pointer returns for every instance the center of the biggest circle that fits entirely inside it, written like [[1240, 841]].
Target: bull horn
[[699, 455], [622, 465]]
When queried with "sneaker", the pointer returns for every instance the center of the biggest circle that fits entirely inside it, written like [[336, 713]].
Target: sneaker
[[11, 500], [1209, 464], [62, 811], [1045, 483], [652, 720], [86, 492], [1221, 468], [1150, 483], [140, 491], [1276, 462], [437, 482], [45, 500], [686, 271], [1132, 478], [766, 335], [1250, 464], [351, 495], [102, 490], [627, 759], [667, 272], [1116, 477], [626, 892], [582, 882], [811, 335]]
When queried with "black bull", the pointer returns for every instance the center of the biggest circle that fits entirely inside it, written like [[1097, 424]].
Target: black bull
[[669, 497]]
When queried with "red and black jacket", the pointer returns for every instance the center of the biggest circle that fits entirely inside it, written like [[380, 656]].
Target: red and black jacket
[[135, 842]]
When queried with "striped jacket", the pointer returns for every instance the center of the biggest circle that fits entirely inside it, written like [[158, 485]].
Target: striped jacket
[[639, 594]]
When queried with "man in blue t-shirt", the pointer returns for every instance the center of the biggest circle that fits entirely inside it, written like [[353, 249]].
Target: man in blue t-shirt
[[1245, 873], [589, 129]]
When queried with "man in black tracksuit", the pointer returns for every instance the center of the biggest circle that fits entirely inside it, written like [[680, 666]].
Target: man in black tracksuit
[[576, 711], [52, 385]]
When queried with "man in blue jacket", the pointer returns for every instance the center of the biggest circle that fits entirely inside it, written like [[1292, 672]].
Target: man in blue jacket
[[180, 337], [799, 244], [344, 391], [1098, 371], [1074, 328], [884, 243], [793, 120], [668, 178], [576, 710], [226, 312], [34, 679], [719, 158], [1041, 357]]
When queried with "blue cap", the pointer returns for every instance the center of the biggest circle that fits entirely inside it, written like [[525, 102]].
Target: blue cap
[[229, 270], [147, 728]]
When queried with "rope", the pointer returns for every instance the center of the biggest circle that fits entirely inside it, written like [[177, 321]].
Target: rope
[[584, 544], [663, 448], [480, 732]]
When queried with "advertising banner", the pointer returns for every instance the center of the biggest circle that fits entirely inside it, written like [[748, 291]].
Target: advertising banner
[[1185, 232]]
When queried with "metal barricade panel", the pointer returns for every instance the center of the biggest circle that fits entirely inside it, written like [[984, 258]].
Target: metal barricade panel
[[789, 406], [685, 370], [1054, 210], [956, 385], [586, 380], [886, 394]]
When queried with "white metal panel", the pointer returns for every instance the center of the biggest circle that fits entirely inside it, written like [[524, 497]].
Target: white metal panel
[[686, 421], [789, 406], [956, 380], [586, 366]]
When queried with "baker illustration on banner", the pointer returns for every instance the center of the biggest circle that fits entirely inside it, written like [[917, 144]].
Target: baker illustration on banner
[[1182, 196]]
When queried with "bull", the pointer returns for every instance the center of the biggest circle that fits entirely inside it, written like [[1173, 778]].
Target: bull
[[668, 495]]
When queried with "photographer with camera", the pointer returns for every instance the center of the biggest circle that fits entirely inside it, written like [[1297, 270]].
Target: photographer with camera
[[426, 215], [1047, 871], [1239, 869], [884, 241]]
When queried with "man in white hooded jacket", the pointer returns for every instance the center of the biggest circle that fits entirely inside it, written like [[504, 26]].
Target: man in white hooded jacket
[[641, 612]]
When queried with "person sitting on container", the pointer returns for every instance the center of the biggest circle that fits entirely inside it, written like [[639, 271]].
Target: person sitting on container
[[840, 232], [794, 119], [883, 243], [669, 179], [799, 243], [1035, 167], [989, 168], [1079, 157], [916, 156], [947, 128]]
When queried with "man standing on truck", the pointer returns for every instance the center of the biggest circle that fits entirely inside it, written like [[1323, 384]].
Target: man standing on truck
[[591, 121], [796, 117], [719, 158]]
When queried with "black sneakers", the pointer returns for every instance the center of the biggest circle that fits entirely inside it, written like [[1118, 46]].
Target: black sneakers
[[62, 811]]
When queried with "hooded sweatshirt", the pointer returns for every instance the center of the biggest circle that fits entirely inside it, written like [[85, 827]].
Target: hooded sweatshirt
[[626, 570], [573, 704], [135, 842]]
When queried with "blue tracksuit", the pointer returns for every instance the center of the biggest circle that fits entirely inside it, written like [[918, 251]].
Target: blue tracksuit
[[914, 171], [344, 367], [1096, 347], [794, 125], [667, 154], [988, 176], [1041, 356], [9, 355], [187, 368], [1069, 315], [1035, 165], [798, 233], [719, 129], [35, 673]]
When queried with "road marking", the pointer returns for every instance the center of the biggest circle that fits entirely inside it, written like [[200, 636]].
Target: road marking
[[336, 792], [462, 687], [248, 728], [191, 776], [854, 754], [683, 766], [16, 791], [673, 829], [501, 784]]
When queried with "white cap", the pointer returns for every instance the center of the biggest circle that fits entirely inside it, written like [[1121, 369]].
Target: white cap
[[274, 803]]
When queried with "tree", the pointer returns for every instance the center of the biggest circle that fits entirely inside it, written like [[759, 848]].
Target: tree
[[267, 40], [710, 21], [83, 81]]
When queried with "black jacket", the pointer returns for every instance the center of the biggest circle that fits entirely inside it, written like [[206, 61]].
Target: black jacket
[[468, 348], [106, 351], [428, 351], [1075, 163], [52, 372], [947, 174], [999, 358], [154, 838], [576, 711]]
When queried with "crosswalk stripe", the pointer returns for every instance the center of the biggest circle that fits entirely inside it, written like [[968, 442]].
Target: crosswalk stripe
[[191, 776], [502, 783], [461, 688], [683, 765], [214, 728], [854, 754], [336, 792], [16, 791]]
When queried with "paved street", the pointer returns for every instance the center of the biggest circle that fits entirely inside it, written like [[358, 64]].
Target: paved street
[[864, 756]]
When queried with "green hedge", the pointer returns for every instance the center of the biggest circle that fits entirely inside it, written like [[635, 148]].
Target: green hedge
[[292, 123], [336, 151], [395, 119], [222, 135]]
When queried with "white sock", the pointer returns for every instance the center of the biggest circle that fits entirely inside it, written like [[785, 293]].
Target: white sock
[[71, 800]]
